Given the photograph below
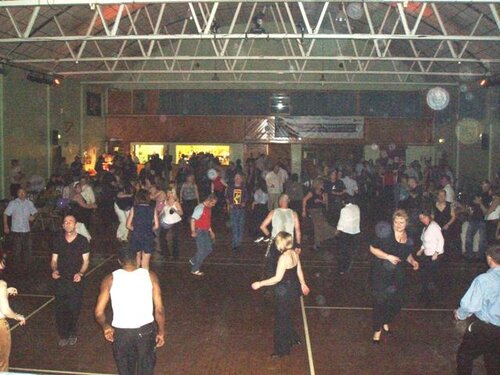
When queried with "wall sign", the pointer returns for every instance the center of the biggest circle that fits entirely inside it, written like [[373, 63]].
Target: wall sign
[[344, 127]]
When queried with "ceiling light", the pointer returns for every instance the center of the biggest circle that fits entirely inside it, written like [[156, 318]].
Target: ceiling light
[[47, 79], [489, 81]]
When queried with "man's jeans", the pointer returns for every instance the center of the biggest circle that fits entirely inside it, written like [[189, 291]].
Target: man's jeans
[[478, 226], [237, 218], [204, 248], [134, 350]]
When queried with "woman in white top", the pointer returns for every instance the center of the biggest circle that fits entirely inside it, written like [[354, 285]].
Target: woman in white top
[[170, 219], [432, 249], [491, 215], [6, 313]]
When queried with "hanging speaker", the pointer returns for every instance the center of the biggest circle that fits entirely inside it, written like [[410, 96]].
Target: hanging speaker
[[55, 137], [485, 141]]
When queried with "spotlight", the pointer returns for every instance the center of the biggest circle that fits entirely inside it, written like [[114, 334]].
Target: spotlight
[[279, 103], [489, 81], [47, 79], [258, 21]]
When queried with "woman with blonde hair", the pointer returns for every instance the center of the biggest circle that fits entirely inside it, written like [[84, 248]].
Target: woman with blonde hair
[[170, 219], [387, 273], [290, 284]]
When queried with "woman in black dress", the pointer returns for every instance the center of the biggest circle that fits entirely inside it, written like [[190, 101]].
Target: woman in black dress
[[290, 283], [387, 276], [444, 215]]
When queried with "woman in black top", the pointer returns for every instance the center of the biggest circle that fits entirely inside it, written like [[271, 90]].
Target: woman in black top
[[387, 274], [290, 283], [314, 205], [445, 216]]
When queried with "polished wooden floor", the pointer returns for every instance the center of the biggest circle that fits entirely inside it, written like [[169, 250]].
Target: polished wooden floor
[[216, 325]]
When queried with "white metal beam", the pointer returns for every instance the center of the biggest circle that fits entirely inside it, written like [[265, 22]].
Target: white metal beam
[[261, 83], [261, 71], [493, 8], [239, 36], [443, 29], [54, 3], [267, 57]]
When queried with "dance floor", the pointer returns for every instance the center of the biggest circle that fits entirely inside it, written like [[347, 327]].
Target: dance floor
[[217, 325]]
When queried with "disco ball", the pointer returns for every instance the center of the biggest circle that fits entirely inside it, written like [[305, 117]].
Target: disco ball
[[468, 131], [463, 88], [438, 98], [355, 11]]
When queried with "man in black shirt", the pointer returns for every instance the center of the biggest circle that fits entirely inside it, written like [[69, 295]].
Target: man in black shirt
[[70, 260], [335, 188], [476, 225]]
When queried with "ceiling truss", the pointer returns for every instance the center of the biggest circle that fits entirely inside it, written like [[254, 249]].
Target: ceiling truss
[[429, 49]]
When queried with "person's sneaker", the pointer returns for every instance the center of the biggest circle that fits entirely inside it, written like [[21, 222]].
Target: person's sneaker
[[63, 342], [191, 262], [197, 273], [266, 239], [260, 239], [72, 340]]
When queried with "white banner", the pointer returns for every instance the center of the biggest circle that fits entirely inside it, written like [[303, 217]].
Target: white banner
[[346, 127]]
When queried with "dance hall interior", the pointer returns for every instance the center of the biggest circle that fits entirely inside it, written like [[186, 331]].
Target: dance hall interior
[[222, 187]]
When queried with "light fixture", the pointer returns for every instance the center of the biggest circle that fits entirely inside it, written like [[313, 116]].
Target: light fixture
[[441, 140], [279, 103], [47, 79], [322, 78], [215, 77], [489, 81]]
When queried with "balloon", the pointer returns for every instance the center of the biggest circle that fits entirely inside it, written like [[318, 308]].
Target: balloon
[[212, 174]]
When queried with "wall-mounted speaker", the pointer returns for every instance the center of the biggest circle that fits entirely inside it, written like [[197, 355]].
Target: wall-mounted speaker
[[485, 141], [55, 137]]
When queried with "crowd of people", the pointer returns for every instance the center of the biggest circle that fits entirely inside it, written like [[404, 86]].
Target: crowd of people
[[261, 198]]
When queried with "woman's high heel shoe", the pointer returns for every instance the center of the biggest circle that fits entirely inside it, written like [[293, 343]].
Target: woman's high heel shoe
[[376, 337], [386, 328]]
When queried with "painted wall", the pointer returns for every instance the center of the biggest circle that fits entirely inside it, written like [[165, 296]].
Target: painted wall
[[29, 112]]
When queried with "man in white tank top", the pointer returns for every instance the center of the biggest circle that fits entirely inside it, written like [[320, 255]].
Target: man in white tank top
[[283, 219], [137, 304]]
